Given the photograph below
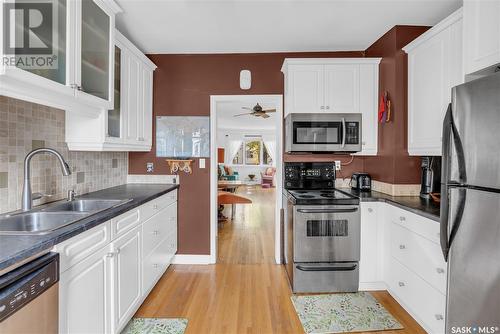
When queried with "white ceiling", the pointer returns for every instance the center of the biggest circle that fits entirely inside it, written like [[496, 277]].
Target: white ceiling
[[232, 26], [226, 120]]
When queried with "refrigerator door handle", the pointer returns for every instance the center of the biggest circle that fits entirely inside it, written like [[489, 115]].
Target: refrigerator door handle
[[459, 148], [443, 236], [445, 239], [462, 195], [450, 131], [443, 233]]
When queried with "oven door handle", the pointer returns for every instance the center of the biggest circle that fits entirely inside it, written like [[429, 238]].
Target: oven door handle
[[347, 210], [343, 132], [327, 268]]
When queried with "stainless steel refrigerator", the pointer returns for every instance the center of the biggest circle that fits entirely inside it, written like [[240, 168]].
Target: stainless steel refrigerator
[[470, 205]]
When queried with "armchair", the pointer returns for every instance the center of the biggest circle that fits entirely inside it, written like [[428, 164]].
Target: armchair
[[267, 177]]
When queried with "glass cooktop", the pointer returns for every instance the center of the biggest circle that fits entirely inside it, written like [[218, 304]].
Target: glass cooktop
[[321, 195]]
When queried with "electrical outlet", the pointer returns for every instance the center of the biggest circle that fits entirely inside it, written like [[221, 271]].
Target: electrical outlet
[[150, 167], [337, 165]]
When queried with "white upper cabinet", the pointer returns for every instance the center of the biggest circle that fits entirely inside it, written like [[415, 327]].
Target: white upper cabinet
[[80, 78], [481, 34], [335, 85], [305, 87], [434, 67], [127, 126], [342, 88], [95, 53]]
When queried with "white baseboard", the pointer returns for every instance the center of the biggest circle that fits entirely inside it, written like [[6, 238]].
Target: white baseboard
[[191, 259], [372, 286]]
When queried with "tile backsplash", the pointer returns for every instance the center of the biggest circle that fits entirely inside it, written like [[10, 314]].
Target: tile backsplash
[[25, 126]]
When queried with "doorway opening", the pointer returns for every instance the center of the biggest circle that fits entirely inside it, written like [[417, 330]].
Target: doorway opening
[[245, 182]]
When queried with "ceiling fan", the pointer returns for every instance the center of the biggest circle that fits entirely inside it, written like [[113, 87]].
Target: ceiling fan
[[257, 111]]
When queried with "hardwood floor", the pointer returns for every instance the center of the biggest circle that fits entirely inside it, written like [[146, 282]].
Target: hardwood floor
[[249, 238], [245, 292]]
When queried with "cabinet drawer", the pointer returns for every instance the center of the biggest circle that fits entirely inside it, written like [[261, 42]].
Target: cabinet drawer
[[152, 207], [422, 300], [156, 228], [125, 222], [418, 224], [83, 245], [420, 255], [156, 263]]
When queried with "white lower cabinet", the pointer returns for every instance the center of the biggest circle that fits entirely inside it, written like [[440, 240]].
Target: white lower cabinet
[[369, 264], [84, 296], [419, 298], [101, 287], [127, 269], [400, 252]]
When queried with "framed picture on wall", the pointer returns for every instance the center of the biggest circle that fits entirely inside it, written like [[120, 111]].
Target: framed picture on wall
[[183, 136]]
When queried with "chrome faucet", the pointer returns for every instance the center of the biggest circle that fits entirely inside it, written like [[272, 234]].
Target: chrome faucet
[[27, 199]]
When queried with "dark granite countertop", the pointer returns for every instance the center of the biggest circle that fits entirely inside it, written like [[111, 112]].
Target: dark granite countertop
[[17, 248], [415, 204]]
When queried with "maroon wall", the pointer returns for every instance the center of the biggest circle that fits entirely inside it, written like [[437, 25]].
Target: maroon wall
[[183, 85], [392, 163]]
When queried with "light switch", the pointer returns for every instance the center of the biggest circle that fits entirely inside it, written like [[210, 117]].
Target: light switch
[[202, 163]]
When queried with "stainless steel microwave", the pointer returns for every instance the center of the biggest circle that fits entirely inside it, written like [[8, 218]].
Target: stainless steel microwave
[[323, 133]]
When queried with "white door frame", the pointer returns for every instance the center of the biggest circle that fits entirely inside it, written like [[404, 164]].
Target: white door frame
[[276, 100]]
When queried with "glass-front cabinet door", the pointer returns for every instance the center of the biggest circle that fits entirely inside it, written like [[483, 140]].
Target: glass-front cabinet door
[[37, 45], [95, 68], [115, 115]]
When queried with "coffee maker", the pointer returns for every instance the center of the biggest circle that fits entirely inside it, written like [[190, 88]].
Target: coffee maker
[[431, 176]]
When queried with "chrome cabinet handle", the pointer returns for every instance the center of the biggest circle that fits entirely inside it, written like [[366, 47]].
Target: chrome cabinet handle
[[155, 265], [111, 254], [401, 284], [141, 138], [155, 206], [440, 270], [156, 232], [343, 132], [327, 107], [322, 107], [370, 210], [402, 218], [439, 316], [402, 247]]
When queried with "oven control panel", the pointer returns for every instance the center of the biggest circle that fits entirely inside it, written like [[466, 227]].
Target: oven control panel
[[310, 175]]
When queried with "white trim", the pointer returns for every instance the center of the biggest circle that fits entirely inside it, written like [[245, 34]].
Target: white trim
[[277, 100], [372, 286], [123, 42], [191, 259], [442, 25], [327, 61]]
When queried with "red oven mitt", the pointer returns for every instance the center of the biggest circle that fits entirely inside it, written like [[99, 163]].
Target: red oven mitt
[[381, 108]]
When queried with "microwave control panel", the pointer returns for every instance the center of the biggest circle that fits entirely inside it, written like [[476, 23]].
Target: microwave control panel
[[352, 133]]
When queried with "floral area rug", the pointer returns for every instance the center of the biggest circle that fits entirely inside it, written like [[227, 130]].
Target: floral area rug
[[342, 313], [156, 326]]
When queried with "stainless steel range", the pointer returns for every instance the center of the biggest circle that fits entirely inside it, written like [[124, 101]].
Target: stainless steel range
[[322, 230]]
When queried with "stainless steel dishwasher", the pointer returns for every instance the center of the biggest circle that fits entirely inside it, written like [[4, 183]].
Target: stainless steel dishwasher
[[29, 297]]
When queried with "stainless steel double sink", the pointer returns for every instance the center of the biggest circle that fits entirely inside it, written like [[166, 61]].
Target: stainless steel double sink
[[54, 216]]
